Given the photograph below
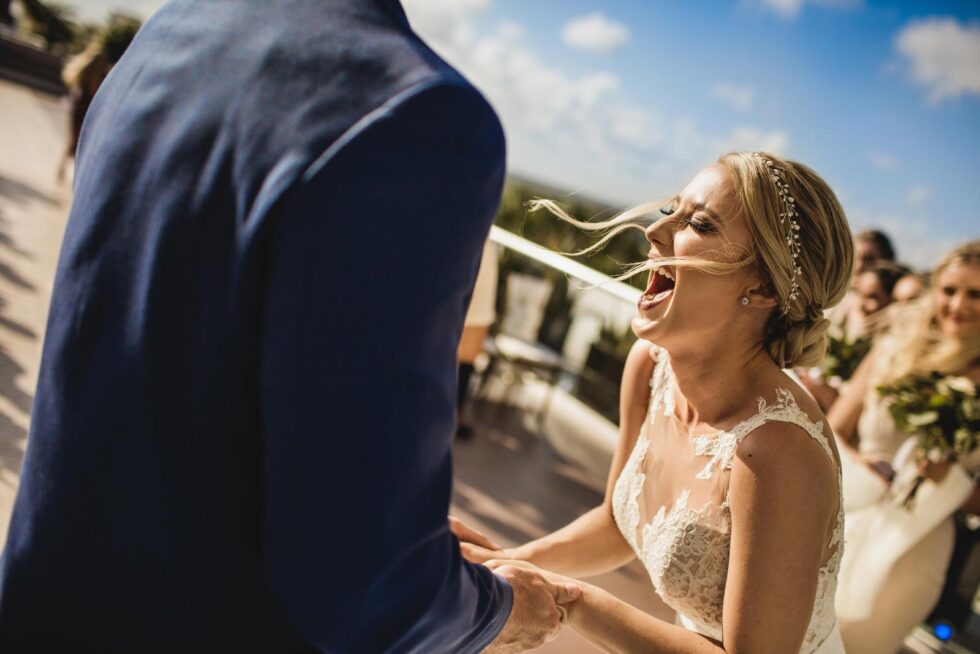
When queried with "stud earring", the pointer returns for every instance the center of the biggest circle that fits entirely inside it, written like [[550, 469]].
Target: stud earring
[[744, 300]]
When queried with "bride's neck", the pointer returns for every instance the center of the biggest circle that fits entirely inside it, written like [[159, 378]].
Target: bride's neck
[[715, 384]]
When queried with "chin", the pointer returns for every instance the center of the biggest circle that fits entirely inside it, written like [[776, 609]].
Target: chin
[[649, 329], [960, 329]]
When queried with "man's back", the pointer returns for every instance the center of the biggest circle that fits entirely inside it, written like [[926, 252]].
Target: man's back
[[215, 431]]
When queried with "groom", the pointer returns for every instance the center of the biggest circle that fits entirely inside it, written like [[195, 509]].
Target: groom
[[241, 433]]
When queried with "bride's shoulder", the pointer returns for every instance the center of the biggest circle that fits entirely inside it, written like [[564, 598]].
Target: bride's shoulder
[[789, 434], [780, 468], [784, 410]]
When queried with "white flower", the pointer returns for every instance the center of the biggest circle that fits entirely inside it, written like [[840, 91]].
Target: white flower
[[962, 384], [922, 419], [935, 455]]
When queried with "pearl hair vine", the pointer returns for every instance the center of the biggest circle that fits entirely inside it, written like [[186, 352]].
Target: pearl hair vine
[[790, 219]]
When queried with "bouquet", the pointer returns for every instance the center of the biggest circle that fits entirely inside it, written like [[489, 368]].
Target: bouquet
[[941, 410], [842, 358]]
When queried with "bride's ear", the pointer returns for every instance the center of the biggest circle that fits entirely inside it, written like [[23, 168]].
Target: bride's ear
[[760, 296]]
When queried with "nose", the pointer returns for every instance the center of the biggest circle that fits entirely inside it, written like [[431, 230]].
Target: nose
[[660, 232], [956, 301]]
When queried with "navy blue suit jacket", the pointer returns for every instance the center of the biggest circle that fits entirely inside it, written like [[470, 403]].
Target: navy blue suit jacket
[[241, 437]]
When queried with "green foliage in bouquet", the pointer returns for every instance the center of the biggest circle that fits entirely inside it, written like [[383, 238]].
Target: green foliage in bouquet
[[942, 410], [843, 356]]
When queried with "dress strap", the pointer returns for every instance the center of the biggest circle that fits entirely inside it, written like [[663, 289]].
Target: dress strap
[[661, 383], [721, 447]]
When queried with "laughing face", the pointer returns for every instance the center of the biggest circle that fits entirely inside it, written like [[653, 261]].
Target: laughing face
[[682, 304]]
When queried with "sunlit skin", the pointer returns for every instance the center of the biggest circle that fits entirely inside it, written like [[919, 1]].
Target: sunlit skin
[[956, 294], [908, 288], [702, 222]]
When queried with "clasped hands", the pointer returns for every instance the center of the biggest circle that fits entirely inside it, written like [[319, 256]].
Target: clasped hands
[[542, 600]]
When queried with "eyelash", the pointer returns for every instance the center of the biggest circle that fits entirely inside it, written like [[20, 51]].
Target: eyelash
[[699, 226]]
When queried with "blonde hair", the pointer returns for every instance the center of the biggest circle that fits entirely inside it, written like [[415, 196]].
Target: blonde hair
[[916, 346], [796, 332]]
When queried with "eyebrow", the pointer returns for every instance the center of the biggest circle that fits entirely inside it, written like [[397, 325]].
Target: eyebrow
[[700, 206]]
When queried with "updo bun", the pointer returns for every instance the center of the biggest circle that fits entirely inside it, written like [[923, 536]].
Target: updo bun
[[801, 343], [807, 278]]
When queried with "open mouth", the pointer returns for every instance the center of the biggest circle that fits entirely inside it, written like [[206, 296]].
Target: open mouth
[[660, 288]]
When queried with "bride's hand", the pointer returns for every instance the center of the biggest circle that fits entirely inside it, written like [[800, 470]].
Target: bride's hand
[[476, 554], [467, 534], [474, 545]]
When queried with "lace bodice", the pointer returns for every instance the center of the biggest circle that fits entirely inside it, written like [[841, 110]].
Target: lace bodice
[[683, 538]]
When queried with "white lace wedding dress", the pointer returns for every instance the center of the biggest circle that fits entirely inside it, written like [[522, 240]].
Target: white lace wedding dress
[[683, 539]]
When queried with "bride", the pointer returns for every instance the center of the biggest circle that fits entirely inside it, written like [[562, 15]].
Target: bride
[[726, 479]]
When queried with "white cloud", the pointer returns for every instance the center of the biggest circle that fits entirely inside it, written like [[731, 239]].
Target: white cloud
[[883, 160], [444, 22], [918, 194], [595, 33], [577, 130], [944, 56], [739, 98], [791, 8], [510, 30], [754, 139]]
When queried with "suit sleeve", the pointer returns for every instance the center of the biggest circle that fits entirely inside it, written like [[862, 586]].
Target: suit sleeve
[[370, 264]]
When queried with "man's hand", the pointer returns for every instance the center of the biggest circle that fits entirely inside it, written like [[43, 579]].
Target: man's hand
[[539, 606]]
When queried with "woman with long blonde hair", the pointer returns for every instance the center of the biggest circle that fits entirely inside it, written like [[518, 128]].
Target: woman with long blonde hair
[[897, 557], [725, 482]]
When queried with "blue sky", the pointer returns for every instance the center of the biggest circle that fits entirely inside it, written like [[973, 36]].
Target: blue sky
[[627, 100]]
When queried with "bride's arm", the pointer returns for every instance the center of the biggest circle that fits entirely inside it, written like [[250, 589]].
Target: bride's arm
[[616, 626], [592, 544], [782, 506]]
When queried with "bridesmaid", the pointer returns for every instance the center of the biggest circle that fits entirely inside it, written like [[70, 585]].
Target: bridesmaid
[[938, 332]]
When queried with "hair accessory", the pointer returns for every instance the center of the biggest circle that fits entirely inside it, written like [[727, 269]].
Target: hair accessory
[[789, 218], [744, 300]]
